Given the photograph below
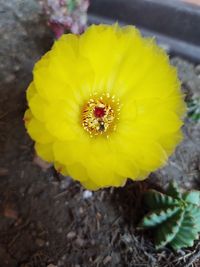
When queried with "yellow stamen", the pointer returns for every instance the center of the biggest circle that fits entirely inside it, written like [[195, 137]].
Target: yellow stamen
[[99, 114]]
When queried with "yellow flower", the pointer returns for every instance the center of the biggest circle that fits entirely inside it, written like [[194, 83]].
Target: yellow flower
[[104, 106]]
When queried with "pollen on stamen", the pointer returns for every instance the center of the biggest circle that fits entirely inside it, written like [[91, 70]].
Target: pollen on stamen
[[100, 114]]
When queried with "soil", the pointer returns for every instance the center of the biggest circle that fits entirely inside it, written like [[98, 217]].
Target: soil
[[50, 220]]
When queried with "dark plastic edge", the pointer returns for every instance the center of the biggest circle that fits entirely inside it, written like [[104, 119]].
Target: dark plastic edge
[[176, 25]]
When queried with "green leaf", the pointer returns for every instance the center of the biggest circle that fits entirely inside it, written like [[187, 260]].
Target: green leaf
[[194, 212], [157, 217], [168, 230], [157, 200], [173, 190], [195, 116], [176, 215], [192, 197], [186, 235]]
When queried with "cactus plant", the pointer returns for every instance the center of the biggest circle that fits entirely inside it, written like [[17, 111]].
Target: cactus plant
[[174, 215], [194, 109]]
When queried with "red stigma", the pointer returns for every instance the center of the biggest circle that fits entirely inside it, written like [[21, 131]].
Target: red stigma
[[99, 112]]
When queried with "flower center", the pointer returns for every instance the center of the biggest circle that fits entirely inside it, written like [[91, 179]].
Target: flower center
[[99, 112], [99, 115]]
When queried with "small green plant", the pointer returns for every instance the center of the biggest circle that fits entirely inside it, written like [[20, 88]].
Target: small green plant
[[194, 109], [174, 215]]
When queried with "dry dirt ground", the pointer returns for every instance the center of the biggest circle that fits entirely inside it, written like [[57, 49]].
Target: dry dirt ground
[[49, 220]]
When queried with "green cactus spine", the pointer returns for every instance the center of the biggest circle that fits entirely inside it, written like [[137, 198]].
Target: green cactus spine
[[174, 215]]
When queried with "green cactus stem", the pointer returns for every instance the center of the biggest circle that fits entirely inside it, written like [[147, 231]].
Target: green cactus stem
[[194, 109], [174, 215]]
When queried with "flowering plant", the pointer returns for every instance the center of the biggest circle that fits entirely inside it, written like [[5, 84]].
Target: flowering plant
[[104, 106], [66, 15]]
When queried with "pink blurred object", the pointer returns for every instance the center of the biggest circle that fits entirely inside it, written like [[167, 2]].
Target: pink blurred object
[[196, 2], [66, 15]]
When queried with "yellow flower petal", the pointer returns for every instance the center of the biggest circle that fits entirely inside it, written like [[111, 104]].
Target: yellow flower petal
[[31, 91], [45, 151], [105, 106], [27, 117], [37, 106], [78, 172], [60, 168], [38, 132]]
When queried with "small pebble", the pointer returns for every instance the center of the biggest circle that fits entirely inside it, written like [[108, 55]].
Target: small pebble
[[17, 67], [81, 210], [65, 183], [87, 194], [10, 78], [71, 235], [107, 260], [60, 263], [80, 242]]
